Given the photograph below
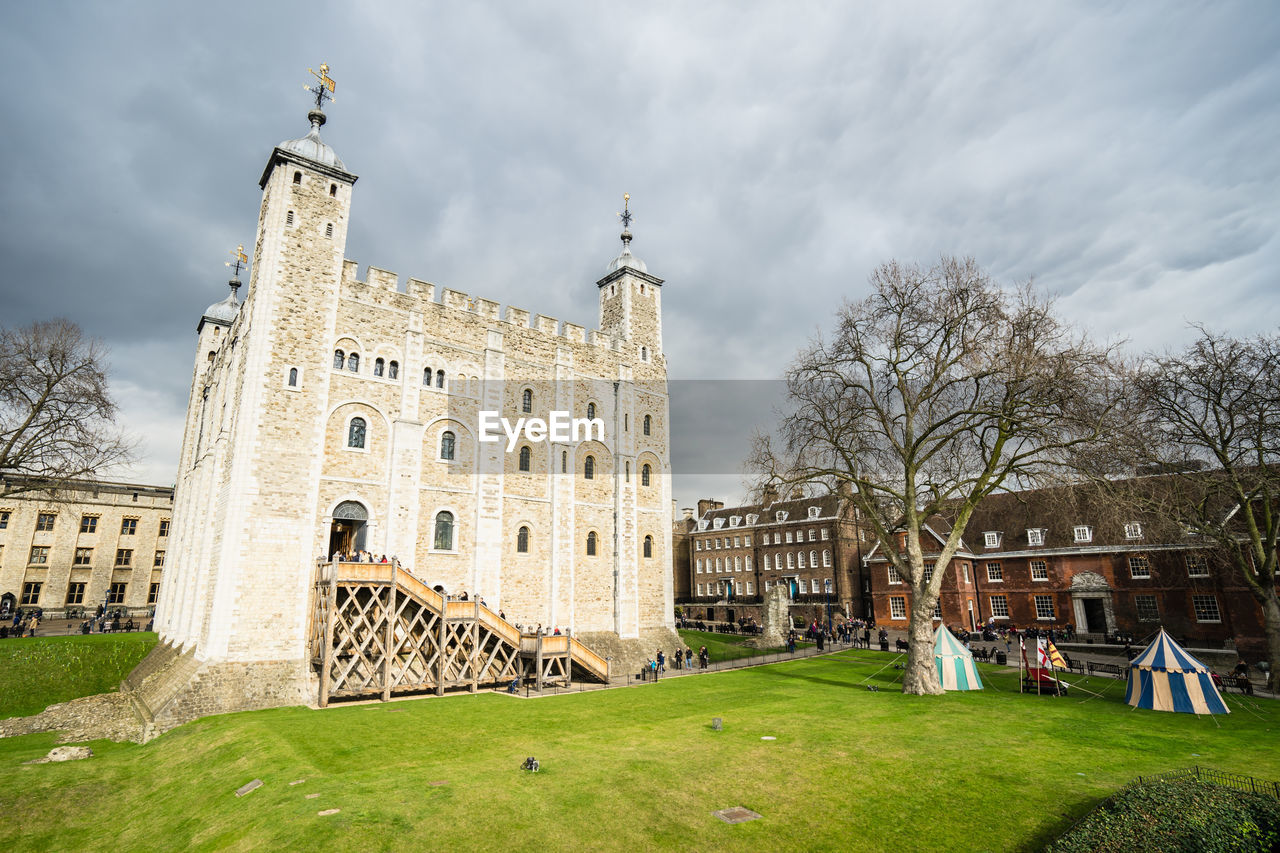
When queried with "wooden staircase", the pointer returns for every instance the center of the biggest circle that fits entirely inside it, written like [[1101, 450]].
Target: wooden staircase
[[377, 630]]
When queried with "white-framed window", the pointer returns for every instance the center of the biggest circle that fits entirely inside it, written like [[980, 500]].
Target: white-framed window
[[1039, 570], [937, 609], [735, 520], [777, 539], [1035, 536], [897, 607], [800, 560], [999, 607], [813, 585], [718, 523], [750, 588], [1083, 533], [1147, 607], [768, 585], [737, 564], [1133, 530], [1206, 607], [813, 535], [699, 589], [1197, 566], [894, 577], [991, 539], [780, 515], [699, 565], [768, 563], [928, 572], [746, 540], [995, 573], [751, 519], [737, 587], [788, 537], [1044, 606], [965, 567], [719, 564], [791, 560], [826, 558], [737, 541], [825, 534], [697, 545], [1139, 567], [814, 511], [746, 563]]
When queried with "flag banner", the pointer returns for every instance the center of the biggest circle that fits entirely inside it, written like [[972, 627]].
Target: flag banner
[[1055, 657], [1042, 654]]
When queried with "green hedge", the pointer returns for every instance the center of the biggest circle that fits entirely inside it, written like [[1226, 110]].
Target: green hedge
[[1177, 815]]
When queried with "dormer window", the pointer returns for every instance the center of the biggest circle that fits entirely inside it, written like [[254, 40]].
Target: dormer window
[[735, 520], [814, 511], [991, 539], [751, 519], [1083, 533], [780, 515], [719, 522], [1035, 536], [702, 524], [1133, 530]]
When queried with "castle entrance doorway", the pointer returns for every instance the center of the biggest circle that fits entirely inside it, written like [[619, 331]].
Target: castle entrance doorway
[[348, 528]]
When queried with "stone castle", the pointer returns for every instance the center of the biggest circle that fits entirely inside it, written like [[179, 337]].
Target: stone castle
[[330, 415]]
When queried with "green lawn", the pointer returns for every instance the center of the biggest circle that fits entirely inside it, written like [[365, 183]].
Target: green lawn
[[631, 769], [725, 646], [36, 672]]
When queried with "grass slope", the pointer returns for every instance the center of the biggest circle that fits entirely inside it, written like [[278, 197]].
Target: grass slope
[[36, 672], [634, 769], [726, 646]]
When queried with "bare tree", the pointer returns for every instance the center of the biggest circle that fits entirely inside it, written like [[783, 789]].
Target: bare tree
[[1209, 422], [933, 392], [57, 420]]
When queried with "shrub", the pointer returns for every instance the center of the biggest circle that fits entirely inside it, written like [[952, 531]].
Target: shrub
[[1177, 815]]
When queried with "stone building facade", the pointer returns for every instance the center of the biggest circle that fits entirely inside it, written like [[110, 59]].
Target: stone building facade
[[88, 544], [807, 545], [331, 413], [1054, 557]]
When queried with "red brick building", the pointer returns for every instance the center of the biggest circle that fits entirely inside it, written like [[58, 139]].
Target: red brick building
[[1057, 557]]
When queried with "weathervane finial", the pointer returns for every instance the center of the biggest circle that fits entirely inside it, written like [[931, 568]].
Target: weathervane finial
[[625, 215], [324, 87], [241, 260]]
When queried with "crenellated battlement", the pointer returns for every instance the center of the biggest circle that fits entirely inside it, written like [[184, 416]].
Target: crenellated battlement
[[424, 294]]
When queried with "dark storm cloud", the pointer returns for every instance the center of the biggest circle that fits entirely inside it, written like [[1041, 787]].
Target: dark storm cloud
[[1123, 156]]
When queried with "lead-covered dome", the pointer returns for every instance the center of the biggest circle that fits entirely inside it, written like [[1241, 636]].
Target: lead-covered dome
[[312, 146], [227, 310], [626, 259]]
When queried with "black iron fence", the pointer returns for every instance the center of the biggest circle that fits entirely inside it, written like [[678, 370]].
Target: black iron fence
[[1218, 777]]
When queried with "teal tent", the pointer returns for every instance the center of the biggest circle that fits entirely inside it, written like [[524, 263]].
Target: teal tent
[[955, 665]]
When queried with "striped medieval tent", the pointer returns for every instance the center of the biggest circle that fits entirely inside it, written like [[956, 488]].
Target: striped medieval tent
[[1165, 678], [955, 665]]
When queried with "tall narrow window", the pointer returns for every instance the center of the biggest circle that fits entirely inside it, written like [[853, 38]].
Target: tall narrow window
[[426, 377], [339, 359], [293, 377], [439, 378], [297, 177], [393, 370], [355, 433], [379, 366], [589, 468], [288, 218], [526, 458], [564, 462], [447, 440], [648, 421], [644, 474], [591, 411], [526, 401], [444, 531], [648, 546], [522, 540], [353, 362], [591, 543], [333, 190], [328, 230]]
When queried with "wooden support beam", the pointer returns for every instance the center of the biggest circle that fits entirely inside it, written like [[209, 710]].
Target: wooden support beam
[[537, 660], [332, 598], [442, 629], [388, 657], [475, 648]]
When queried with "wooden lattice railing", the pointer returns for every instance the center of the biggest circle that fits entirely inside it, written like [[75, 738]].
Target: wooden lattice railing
[[376, 629]]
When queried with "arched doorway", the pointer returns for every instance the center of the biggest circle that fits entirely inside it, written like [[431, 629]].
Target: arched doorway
[[1091, 601], [347, 530]]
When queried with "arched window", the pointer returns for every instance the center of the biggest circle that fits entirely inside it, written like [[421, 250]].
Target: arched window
[[378, 367], [444, 530], [393, 370], [589, 468], [212, 355], [333, 189], [791, 561], [426, 377], [591, 544], [353, 362], [591, 411], [522, 540], [648, 422], [439, 378], [339, 359], [447, 441], [644, 474], [648, 546], [355, 433], [526, 401], [813, 559], [800, 560], [644, 351], [293, 377], [525, 458], [826, 559], [297, 177]]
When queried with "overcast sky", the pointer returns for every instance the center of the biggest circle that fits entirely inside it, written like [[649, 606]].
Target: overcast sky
[[1125, 155]]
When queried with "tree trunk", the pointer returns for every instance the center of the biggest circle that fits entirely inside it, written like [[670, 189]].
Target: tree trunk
[[1271, 620], [921, 675]]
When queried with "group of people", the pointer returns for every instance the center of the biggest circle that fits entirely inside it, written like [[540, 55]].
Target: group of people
[[24, 624], [681, 659], [363, 557]]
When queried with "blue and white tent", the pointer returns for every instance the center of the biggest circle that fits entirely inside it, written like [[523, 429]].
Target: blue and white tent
[[955, 665], [1165, 678]]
